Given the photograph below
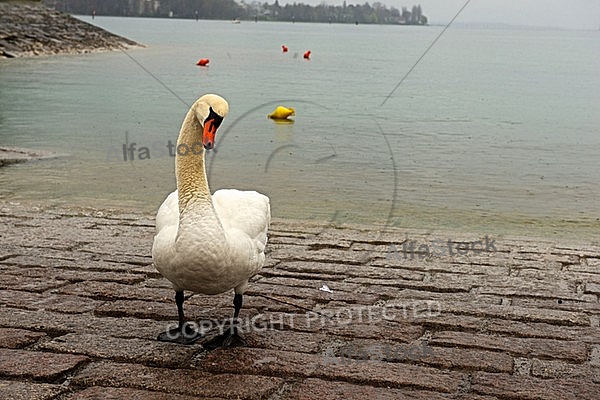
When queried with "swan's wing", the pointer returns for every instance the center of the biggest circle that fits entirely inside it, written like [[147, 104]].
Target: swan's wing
[[168, 213], [167, 225], [247, 211]]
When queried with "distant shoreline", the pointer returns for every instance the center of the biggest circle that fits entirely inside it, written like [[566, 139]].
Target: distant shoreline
[[30, 29], [345, 13]]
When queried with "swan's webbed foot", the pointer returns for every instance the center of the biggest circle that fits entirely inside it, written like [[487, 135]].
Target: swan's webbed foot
[[183, 334], [231, 338]]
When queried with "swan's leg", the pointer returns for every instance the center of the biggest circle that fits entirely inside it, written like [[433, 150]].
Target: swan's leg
[[231, 338], [183, 333]]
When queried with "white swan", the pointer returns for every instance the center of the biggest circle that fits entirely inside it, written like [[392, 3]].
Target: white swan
[[207, 244]]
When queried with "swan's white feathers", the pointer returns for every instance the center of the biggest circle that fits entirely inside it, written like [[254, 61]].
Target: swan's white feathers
[[201, 263], [247, 211], [168, 213]]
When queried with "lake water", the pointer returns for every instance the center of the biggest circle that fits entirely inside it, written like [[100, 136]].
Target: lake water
[[494, 131]]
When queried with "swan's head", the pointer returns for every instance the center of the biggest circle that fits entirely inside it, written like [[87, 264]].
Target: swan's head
[[210, 110]]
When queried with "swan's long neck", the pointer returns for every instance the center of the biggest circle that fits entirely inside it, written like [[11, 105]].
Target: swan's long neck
[[192, 183]]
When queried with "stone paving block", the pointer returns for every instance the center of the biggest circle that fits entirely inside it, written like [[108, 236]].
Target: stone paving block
[[587, 303], [147, 310], [283, 364], [318, 389], [322, 255], [468, 267], [113, 291], [269, 304], [340, 292], [530, 347], [593, 288], [555, 317], [186, 382], [595, 356], [389, 330], [416, 352], [12, 338], [52, 302], [503, 285], [299, 342], [149, 270], [75, 275], [280, 273], [313, 293], [278, 238], [345, 270], [469, 359], [543, 330], [593, 263], [37, 365], [57, 324], [446, 321], [360, 322], [110, 393], [376, 248], [590, 266], [126, 350], [508, 327], [19, 282], [114, 249], [15, 390], [163, 283], [76, 261], [35, 256], [490, 263], [5, 253], [525, 388], [310, 241], [395, 375], [41, 320], [438, 286], [289, 364], [551, 369], [412, 298], [39, 237], [577, 249]]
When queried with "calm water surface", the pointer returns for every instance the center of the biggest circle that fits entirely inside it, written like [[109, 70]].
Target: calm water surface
[[495, 131]]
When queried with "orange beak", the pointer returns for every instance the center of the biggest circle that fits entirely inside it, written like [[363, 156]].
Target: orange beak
[[208, 135]]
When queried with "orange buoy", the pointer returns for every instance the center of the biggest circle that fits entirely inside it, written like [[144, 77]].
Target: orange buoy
[[284, 48], [203, 62], [307, 55]]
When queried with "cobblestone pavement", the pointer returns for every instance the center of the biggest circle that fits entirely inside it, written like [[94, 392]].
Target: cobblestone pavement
[[82, 306]]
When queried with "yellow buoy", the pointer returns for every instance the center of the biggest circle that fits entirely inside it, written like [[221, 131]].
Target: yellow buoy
[[282, 113]]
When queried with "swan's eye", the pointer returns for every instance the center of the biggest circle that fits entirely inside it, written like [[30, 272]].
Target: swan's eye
[[214, 117]]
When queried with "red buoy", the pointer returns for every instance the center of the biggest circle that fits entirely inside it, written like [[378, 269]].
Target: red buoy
[[203, 62], [307, 55], [284, 48]]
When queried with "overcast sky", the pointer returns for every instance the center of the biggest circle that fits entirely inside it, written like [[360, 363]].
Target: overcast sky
[[572, 14]]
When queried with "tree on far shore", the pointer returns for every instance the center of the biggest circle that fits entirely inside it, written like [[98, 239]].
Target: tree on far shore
[[365, 13]]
